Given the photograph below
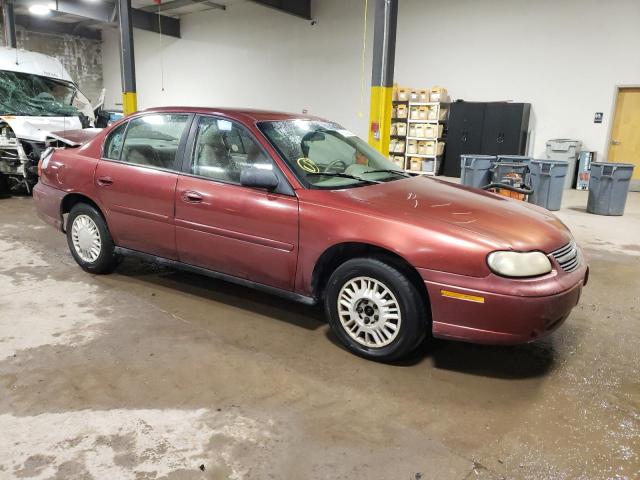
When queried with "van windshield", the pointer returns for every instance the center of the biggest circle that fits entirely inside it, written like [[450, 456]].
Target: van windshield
[[33, 95]]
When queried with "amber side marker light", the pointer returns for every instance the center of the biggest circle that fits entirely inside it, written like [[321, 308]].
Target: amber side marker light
[[461, 296]]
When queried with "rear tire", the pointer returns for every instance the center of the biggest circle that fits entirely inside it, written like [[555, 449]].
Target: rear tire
[[89, 240], [375, 310]]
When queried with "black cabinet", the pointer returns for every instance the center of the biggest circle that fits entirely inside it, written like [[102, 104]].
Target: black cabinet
[[505, 128], [486, 128], [464, 134]]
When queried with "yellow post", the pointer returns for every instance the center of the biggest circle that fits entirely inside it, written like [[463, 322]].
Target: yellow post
[[129, 103], [380, 118], [384, 50]]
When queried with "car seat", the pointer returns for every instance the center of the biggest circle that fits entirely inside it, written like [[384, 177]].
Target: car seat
[[212, 156], [142, 155]]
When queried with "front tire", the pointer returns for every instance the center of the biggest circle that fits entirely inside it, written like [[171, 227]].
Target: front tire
[[375, 310], [89, 240]]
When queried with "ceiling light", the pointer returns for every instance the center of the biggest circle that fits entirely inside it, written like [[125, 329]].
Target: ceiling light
[[39, 9]]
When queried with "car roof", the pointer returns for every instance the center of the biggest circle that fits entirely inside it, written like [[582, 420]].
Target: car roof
[[245, 114]]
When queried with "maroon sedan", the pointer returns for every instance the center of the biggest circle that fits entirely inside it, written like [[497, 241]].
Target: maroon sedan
[[302, 208]]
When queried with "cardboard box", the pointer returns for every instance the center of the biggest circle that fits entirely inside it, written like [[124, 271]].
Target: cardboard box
[[398, 160], [401, 111], [414, 96], [399, 146], [415, 164], [412, 147], [423, 95], [430, 147], [438, 94], [419, 113], [401, 129], [428, 131], [403, 94], [412, 130]]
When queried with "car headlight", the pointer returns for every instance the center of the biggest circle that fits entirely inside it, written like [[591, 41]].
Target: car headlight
[[519, 264]]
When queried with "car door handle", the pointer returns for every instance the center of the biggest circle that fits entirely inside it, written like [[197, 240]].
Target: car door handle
[[191, 197], [104, 181]]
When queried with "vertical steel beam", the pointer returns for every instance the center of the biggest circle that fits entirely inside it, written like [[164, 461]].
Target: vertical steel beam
[[384, 54], [8, 24], [127, 59]]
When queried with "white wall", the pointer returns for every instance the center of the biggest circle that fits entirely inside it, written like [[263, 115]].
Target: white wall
[[564, 57], [253, 56]]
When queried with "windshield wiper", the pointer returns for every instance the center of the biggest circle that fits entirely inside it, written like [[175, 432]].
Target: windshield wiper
[[341, 175], [397, 172]]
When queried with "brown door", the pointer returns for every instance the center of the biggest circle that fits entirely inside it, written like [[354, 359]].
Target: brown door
[[625, 134]]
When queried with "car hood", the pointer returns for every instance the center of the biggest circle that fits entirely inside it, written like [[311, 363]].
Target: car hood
[[510, 223], [38, 128]]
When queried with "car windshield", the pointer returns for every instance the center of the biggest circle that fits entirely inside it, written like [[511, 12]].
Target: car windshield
[[33, 95], [325, 155]]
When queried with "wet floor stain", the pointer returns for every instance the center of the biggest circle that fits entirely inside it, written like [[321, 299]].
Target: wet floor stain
[[150, 373]]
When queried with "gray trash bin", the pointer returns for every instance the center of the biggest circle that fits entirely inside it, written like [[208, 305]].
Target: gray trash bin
[[565, 149], [514, 158], [475, 170], [608, 187], [547, 181]]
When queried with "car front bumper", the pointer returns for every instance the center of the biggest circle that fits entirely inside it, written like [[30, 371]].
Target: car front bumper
[[490, 311]]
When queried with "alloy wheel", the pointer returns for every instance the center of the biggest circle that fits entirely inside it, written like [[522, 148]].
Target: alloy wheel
[[86, 238], [369, 312]]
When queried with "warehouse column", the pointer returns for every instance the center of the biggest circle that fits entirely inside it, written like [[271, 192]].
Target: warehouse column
[[8, 24], [384, 52], [129, 100]]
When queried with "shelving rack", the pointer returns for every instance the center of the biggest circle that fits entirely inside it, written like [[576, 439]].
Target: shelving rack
[[396, 136], [432, 142]]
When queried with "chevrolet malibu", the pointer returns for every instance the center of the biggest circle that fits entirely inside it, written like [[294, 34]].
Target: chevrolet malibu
[[304, 209]]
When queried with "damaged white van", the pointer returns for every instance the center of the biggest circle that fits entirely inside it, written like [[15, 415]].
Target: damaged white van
[[37, 97]]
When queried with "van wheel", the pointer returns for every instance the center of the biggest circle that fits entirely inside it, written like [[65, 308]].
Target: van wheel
[[89, 240], [375, 310]]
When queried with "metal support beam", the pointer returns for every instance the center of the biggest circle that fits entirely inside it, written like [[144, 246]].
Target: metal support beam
[[105, 13], [8, 24], [175, 4], [149, 21], [128, 70], [297, 8], [384, 53], [46, 25]]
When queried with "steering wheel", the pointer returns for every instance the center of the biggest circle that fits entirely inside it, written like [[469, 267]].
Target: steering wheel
[[336, 163]]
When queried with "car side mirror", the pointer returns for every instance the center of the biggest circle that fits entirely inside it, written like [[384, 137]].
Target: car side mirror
[[259, 178]]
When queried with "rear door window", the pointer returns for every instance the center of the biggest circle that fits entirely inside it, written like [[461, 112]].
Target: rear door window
[[153, 140], [113, 145]]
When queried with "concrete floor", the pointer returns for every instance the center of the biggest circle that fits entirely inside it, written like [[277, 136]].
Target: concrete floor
[[150, 373]]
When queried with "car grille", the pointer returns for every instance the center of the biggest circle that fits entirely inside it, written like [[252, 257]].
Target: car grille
[[567, 257]]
